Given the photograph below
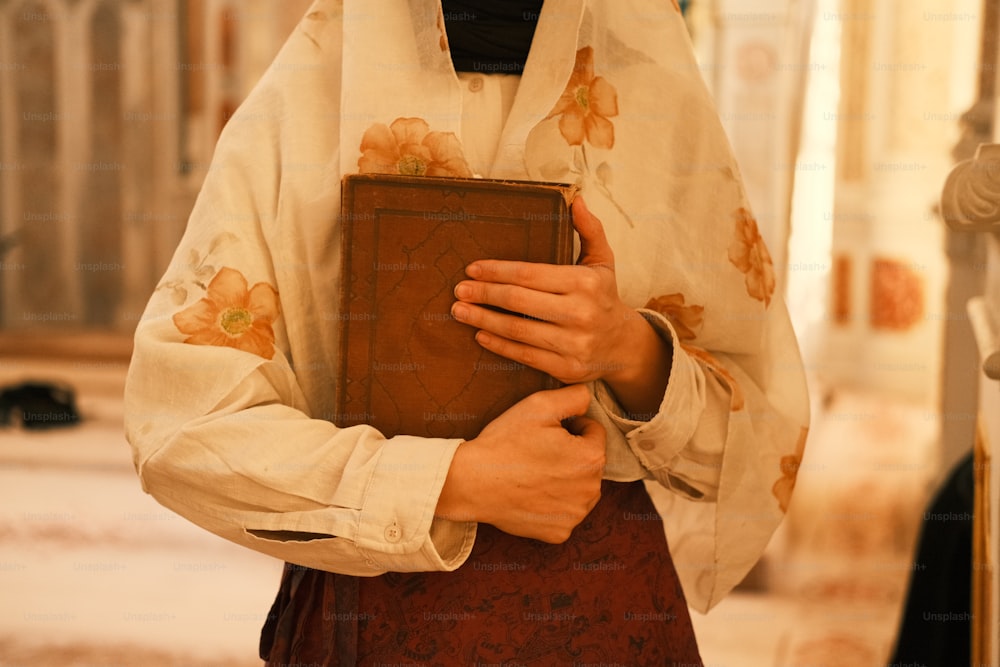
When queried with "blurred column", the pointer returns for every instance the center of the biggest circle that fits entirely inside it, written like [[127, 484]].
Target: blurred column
[[100, 264], [970, 204], [35, 209], [966, 263]]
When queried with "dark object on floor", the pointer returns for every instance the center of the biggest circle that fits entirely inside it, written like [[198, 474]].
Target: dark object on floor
[[38, 405], [936, 627]]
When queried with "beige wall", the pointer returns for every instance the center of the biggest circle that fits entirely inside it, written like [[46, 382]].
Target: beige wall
[[108, 120]]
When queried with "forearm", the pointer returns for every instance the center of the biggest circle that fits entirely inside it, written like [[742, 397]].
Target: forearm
[[247, 464]]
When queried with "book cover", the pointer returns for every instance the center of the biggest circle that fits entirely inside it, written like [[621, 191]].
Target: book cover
[[407, 366]]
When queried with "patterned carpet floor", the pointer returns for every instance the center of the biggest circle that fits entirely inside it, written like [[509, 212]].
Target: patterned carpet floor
[[94, 572], [830, 589]]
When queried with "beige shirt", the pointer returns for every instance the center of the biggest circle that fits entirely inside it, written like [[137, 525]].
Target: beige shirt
[[232, 383]]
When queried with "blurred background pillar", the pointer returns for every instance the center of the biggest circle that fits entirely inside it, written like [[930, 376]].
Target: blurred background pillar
[[109, 117]]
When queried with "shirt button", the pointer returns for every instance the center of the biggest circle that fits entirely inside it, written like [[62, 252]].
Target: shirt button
[[476, 84], [393, 533], [647, 445]]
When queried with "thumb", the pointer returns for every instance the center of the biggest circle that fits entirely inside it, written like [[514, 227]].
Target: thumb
[[594, 247], [563, 403], [585, 427]]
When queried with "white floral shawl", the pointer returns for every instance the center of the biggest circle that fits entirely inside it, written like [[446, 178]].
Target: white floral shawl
[[234, 369]]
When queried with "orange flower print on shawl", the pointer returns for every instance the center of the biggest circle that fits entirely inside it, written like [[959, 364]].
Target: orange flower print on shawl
[[737, 401], [586, 105], [231, 315], [783, 488], [749, 254], [408, 147], [686, 319]]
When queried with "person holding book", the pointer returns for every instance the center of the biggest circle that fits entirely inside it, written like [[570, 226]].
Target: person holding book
[[543, 540]]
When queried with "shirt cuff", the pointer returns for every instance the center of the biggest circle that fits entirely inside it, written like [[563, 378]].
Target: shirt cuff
[[397, 529], [657, 442]]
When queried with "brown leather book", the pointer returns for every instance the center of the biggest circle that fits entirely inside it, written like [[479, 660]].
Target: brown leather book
[[407, 366]]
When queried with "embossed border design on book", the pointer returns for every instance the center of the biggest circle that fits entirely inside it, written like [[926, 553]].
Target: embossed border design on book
[[406, 366]]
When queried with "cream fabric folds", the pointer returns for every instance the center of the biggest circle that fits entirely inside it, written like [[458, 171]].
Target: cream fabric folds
[[229, 403], [231, 387]]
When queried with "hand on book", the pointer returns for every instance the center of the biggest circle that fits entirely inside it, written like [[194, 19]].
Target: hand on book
[[573, 324], [527, 473]]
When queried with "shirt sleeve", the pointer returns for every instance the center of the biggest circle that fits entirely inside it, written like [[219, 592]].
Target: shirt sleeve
[[681, 445], [721, 455], [254, 469], [229, 395]]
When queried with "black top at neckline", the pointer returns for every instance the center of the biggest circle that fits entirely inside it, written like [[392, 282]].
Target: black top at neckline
[[490, 36]]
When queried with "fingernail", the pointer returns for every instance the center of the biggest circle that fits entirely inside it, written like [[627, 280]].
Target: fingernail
[[463, 291], [460, 311], [473, 270], [483, 338]]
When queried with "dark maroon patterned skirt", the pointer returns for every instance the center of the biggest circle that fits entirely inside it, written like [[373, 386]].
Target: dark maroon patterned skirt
[[608, 596]]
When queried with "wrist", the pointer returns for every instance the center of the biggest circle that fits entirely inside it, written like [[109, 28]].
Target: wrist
[[456, 501], [640, 379]]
